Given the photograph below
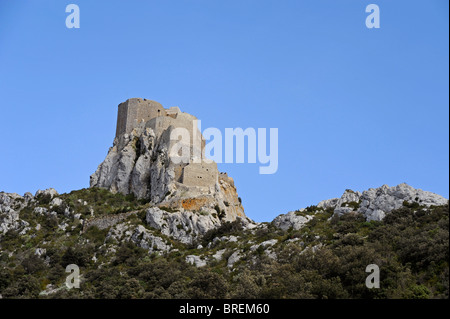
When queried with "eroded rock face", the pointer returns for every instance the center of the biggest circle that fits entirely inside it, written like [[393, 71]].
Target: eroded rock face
[[291, 220], [50, 192], [349, 196], [373, 203], [128, 167], [235, 257], [139, 163], [10, 205], [182, 226], [328, 203], [140, 236], [376, 202]]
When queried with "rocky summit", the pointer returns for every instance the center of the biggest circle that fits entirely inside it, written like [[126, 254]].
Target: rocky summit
[[139, 163], [148, 227], [372, 204]]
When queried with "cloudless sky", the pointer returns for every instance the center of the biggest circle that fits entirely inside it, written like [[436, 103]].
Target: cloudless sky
[[355, 107]]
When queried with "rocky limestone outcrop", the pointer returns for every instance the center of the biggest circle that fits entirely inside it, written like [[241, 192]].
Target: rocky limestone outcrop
[[183, 226], [50, 192], [291, 219], [10, 205], [234, 258], [375, 203], [264, 244], [348, 198], [139, 163], [134, 164], [195, 260], [140, 236]]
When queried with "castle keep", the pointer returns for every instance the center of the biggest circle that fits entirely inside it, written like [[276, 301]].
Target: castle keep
[[134, 111]]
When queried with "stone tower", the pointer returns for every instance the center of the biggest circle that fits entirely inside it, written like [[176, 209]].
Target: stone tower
[[134, 111]]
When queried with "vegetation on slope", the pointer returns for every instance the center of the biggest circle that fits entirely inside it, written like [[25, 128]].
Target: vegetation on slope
[[325, 259]]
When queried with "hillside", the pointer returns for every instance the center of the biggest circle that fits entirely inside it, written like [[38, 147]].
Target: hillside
[[128, 248]]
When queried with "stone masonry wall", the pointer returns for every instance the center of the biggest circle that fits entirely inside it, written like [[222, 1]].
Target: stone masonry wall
[[135, 111], [200, 174], [106, 221]]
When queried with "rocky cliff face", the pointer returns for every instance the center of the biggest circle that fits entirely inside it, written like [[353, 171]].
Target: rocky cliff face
[[139, 163]]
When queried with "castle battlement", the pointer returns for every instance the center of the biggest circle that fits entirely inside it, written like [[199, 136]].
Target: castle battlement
[[135, 111]]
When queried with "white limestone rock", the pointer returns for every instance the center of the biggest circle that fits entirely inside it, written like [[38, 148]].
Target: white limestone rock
[[50, 289], [140, 236], [56, 202], [219, 254], [348, 197], [134, 163], [195, 260], [328, 203], [48, 192], [40, 210], [291, 219], [145, 239], [373, 203], [119, 231], [182, 226], [235, 257], [40, 252], [271, 254], [24, 225], [267, 243], [376, 202], [231, 238], [10, 205], [28, 197]]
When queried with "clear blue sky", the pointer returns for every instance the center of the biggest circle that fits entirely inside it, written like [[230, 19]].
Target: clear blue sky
[[355, 107]]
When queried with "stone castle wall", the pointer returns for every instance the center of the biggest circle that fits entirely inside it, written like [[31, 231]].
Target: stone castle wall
[[135, 111], [163, 125], [200, 174]]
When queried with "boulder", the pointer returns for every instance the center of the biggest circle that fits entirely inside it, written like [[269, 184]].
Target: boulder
[[195, 260], [291, 219], [182, 226]]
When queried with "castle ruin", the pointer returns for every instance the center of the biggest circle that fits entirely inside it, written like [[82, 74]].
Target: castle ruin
[[142, 161], [151, 114]]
